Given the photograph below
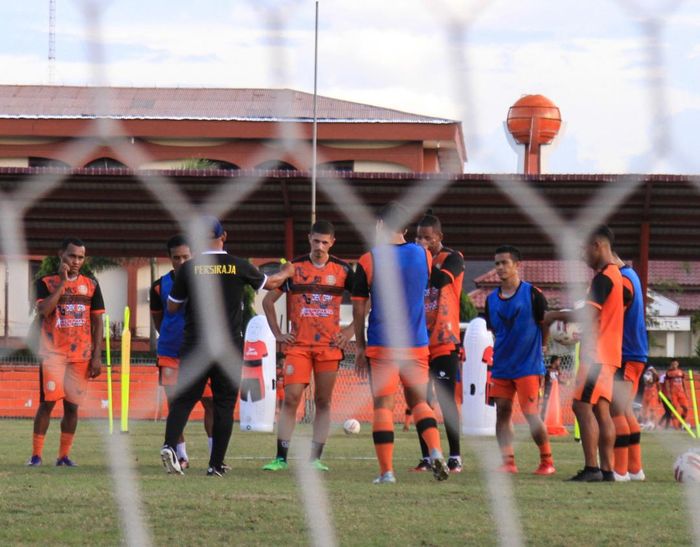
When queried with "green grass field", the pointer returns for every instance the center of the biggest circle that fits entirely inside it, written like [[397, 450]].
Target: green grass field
[[61, 506]]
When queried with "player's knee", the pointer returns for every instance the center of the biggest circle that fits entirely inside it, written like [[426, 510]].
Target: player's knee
[[69, 408], [322, 402]]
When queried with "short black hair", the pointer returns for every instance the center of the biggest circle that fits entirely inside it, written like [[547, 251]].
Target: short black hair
[[394, 215], [176, 241], [430, 221], [554, 358], [322, 227], [603, 232], [71, 241], [514, 252]]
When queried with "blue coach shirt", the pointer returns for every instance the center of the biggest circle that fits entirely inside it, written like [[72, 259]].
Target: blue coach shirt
[[515, 322], [173, 325], [635, 345]]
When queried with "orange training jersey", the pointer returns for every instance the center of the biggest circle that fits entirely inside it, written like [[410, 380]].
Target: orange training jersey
[[67, 330], [442, 302], [606, 295], [315, 295], [674, 381]]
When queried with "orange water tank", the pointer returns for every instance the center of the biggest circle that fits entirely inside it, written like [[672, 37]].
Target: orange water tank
[[533, 120]]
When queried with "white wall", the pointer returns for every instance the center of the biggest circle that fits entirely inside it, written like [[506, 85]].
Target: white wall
[[19, 301]]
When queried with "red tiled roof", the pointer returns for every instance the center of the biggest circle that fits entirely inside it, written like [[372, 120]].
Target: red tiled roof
[[681, 273], [43, 101], [540, 272]]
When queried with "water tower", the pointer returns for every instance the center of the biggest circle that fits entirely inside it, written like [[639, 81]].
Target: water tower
[[533, 121]]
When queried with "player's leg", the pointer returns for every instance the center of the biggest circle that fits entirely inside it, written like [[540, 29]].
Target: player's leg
[[424, 463], [51, 378], [588, 426], [414, 377], [622, 392], [634, 455], [384, 378], [75, 387], [502, 391], [528, 388], [224, 391], [606, 439], [190, 385], [444, 373], [297, 375], [325, 374]]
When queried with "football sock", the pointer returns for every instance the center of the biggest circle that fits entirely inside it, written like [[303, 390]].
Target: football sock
[[622, 442], [181, 450], [210, 442], [634, 454], [316, 450], [423, 447], [282, 449], [37, 444], [545, 452], [507, 455], [65, 444], [383, 437], [426, 425]]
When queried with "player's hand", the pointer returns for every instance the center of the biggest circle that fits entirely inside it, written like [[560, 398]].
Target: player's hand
[[95, 367], [361, 364], [63, 269], [288, 338], [342, 338]]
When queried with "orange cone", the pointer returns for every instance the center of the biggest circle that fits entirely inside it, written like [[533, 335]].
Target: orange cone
[[555, 427]]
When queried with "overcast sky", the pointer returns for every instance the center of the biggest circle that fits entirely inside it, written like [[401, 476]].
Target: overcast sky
[[590, 57]]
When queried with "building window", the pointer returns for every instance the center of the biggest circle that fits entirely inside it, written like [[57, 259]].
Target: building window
[[46, 162], [345, 165], [105, 163]]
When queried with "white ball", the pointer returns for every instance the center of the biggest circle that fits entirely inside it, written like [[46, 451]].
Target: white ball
[[687, 467], [351, 426], [565, 333]]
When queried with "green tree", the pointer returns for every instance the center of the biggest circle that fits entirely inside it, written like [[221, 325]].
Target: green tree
[[467, 309], [92, 264]]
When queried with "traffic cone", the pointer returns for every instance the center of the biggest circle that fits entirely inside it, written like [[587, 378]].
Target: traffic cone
[[555, 427]]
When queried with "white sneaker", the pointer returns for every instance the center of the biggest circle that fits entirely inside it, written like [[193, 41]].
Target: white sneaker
[[385, 478], [639, 476], [170, 461], [621, 478], [439, 466]]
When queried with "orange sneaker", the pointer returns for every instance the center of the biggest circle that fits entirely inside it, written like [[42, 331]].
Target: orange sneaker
[[508, 468], [545, 468]]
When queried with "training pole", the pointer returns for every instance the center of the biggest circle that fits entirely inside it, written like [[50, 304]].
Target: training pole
[[126, 370], [577, 429], [695, 402], [678, 416], [108, 352]]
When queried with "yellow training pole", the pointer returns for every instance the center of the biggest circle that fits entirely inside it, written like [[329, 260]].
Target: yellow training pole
[[695, 402], [678, 416], [577, 429], [110, 407], [126, 370]]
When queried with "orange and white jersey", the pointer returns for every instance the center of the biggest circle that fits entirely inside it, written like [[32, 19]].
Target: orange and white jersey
[[315, 294], [442, 302]]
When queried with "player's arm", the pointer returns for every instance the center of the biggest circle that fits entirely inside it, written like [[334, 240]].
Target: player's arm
[[275, 280], [452, 267], [156, 306], [539, 308], [360, 308], [97, 308], [268, 305], [179, 293], [343, 337], [47, 301]]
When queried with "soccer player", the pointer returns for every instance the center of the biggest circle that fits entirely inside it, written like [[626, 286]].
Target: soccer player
[[442, 299], [69, 304], [601, 356], [395, 275], [635, 348], [316, 341], [514, 313], [650, 399], [674, 387], [170, 329], [216, 270]]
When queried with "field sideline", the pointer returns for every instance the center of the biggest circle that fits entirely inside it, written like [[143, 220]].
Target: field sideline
[[62, 506]]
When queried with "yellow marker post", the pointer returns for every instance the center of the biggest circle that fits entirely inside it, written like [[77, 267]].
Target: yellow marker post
[[678, 416], [695, 402], [126, 370], [108, 351], [577, 428]]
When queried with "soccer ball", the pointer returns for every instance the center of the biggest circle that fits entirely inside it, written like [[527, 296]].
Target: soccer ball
[[567, 334], [351, 427], [687, 467]]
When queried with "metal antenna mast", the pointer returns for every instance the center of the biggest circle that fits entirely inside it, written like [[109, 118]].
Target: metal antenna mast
[[52, 40]]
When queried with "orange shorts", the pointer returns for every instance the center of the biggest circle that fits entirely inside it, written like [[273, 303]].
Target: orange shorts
[[61, 379], [167, 374], [631, 371], [299, 362], [384, 374], [594, 382], [527, 388]]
